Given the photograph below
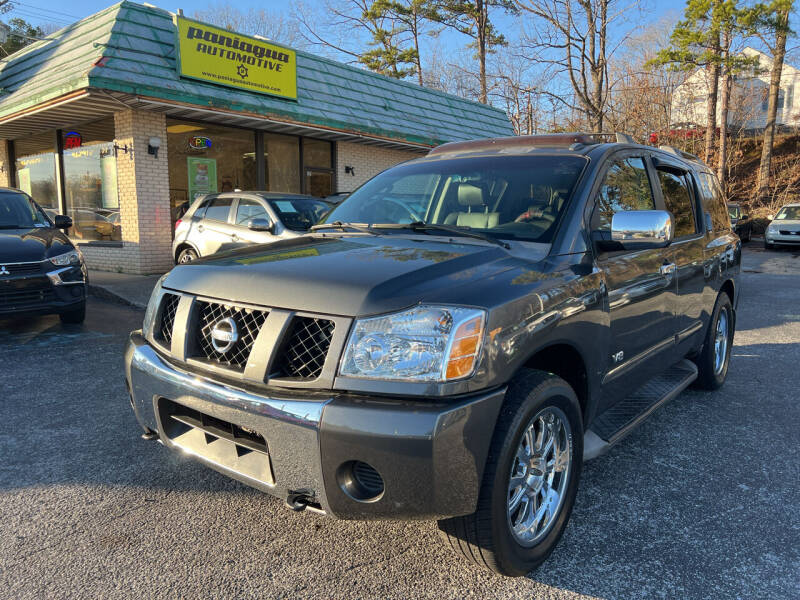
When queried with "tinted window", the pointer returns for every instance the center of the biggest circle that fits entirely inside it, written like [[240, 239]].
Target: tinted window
[[512, 197], [625, 187], [18, 212], [250, 209], [299, 213], [678, 201], [218, 209], [714, 202]]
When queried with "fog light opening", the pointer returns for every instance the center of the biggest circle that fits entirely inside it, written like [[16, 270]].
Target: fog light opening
[[360, 481]]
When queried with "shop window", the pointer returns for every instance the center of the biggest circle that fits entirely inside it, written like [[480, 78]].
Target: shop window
[[205, 158], [317, 153], [90, 181], [36, 169], [282, 162]]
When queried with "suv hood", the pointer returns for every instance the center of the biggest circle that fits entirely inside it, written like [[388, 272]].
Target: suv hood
[[32, 244], [347, 275]]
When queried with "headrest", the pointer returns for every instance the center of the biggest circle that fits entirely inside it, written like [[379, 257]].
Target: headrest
[[470, 195]]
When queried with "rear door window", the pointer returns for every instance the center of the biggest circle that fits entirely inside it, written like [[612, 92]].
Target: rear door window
[[714, 202], [626, 186], [219, 209], [678, 201]]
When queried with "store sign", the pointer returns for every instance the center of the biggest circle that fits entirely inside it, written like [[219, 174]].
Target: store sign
[[72, 140], [199, 142], [220, 56]]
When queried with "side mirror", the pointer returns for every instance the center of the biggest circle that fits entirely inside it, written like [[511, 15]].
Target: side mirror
[[260, 225], [745, 217], [771, 217], [642, 229], [62, 221]]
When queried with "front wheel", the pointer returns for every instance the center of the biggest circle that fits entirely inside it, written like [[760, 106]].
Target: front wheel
[[767, 245], [712, 362], [530, 480]]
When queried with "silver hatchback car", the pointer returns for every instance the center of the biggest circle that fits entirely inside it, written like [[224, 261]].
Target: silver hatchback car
[[229, 220]]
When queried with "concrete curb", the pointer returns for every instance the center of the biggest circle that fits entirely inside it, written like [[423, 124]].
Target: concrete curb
[[103, 292]]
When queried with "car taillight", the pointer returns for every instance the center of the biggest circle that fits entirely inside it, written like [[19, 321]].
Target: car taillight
[[178, 222]]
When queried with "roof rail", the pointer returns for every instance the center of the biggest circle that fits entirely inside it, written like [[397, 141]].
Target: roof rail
[[573, 141], [620, 138], [680, 153]]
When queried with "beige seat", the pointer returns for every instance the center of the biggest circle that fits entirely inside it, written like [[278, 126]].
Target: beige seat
[[477, 213]]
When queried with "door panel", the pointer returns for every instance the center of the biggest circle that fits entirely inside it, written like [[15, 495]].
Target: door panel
[[640, 285], [213, 232]]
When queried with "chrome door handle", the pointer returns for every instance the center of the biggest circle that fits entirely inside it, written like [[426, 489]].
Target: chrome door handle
[[200, 228], [668, 269], [234, 238]]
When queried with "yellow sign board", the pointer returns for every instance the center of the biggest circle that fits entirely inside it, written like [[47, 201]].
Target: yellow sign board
[[220, 56]]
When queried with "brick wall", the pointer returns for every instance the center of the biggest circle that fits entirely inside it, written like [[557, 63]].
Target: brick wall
[[5, 167], [143, 183], [367, 161]]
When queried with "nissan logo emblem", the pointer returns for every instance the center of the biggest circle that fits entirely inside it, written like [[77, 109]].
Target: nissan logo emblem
[[224, 335]]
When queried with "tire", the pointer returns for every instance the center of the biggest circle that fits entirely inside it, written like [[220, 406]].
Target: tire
[[711, 373], [186, 255], [75, 316], [485, 537], [749, 234], [767, 245]]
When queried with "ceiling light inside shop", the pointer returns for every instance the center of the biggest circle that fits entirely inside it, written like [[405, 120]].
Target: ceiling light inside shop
[[183, 128]]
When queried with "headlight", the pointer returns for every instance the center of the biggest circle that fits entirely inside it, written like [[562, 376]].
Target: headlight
[[773, 228], [152, 306], [425, 343], [72, 257]]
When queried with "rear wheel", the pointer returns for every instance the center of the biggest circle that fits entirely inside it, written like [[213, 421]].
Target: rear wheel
[[712, 362], [186, 255], [530, 480], [74, 316]]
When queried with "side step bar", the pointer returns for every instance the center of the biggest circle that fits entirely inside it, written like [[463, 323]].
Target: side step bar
[[622, 418]]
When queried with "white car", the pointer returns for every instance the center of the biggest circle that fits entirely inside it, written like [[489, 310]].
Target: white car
[[784, 228]]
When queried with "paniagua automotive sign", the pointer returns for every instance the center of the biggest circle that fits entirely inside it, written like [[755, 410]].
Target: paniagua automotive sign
[[220, 56]]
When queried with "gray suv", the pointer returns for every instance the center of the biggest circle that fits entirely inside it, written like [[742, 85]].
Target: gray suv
[[453, 340], [233, 219]]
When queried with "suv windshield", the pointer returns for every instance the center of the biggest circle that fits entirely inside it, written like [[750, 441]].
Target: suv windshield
[[788, 213], [299, 214], [512, 197], [17, 211], [733, 211]]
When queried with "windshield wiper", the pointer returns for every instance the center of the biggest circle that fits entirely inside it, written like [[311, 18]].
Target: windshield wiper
[[422, 226], [342, 226]]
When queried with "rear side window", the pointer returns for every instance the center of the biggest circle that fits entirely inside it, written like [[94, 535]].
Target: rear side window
[[714, 203], [678, 201], [625, 187], [219, 209]]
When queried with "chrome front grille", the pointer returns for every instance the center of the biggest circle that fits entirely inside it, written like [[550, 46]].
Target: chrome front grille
[[251, 343], [248, 323], [305, 349], [169, 308]]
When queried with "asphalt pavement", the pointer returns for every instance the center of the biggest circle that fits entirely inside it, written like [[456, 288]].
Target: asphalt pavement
[[702, 501]]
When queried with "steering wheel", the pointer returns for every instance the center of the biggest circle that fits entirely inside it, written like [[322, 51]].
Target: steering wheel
[[414, 216]]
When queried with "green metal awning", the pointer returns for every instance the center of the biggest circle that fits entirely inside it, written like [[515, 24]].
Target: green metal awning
[[125, 57]]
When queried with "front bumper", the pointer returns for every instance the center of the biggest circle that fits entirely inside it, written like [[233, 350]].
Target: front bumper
[[429, 454], [779, 238], [51, 292]]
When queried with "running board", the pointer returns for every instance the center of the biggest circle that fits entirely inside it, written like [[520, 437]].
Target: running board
[[622, 418]]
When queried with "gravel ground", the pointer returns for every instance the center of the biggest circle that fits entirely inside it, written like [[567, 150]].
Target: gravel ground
[[702, 501]]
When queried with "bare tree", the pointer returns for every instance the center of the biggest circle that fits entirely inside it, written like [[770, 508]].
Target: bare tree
[[572, 37], [264, 23]]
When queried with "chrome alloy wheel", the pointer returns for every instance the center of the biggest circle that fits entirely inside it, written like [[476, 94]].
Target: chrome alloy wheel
[[539, 474], [721, 341]]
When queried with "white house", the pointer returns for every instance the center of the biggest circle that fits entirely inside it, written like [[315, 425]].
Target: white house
[[749, 97]]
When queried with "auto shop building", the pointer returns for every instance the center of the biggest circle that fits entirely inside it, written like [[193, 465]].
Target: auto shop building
[[124, 117]]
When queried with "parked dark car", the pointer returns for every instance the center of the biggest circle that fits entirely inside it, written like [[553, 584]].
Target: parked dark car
[[230, 220], [454, 340], [41, 270], [741, 223]]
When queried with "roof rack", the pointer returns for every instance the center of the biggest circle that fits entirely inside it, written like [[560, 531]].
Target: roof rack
[[573, 141], [680, 153]]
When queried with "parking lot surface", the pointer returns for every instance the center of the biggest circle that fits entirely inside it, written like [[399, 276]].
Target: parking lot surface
[[702, 501]]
